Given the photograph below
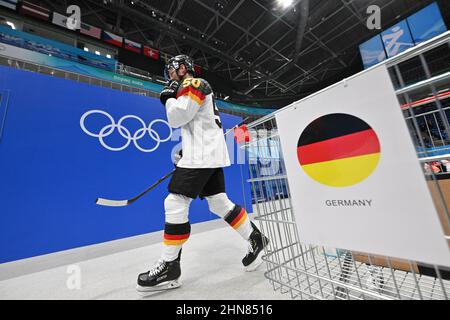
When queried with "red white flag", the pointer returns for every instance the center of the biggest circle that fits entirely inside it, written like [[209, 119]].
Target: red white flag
[[112, 38], [91, 31], [151, 53], [36, 11], [132, 46]]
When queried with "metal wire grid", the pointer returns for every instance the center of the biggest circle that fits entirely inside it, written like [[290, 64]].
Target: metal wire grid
[[435, 136], [313, 275], [428, 120]]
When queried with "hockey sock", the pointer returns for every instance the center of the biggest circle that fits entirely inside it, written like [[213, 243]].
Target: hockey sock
[[175, 235], [239, 221]]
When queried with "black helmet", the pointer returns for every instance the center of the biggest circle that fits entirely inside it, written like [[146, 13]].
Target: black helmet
[[175, 63]]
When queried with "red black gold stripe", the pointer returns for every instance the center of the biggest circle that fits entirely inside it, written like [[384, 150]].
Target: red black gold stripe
[[192, 93], [352, 145], [176, 234], [236, 217]]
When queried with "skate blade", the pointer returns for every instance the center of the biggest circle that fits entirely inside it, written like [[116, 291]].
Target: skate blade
[[254, 265], [161, 287]]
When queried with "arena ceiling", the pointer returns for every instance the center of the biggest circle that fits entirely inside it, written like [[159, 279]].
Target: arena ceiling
[[265, 54]]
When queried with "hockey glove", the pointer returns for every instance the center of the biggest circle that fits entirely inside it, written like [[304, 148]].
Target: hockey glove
[[169, 91]]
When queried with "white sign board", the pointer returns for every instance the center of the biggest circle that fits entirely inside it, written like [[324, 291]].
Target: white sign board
[[354, 176]]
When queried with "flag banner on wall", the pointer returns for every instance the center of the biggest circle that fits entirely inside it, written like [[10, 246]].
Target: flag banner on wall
[[60, 20], [11, 4], [132, 46], [33, 10], [91, 31], [151, 53], [112, 38]]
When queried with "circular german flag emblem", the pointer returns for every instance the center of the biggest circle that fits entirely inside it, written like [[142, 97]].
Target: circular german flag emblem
[[339, 150]]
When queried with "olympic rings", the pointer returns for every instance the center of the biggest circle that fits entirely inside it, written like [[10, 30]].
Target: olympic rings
[[125, 133]]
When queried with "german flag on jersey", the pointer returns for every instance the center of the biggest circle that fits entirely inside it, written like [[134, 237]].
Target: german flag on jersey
[[176, 234], [195, 89], [339, 150]]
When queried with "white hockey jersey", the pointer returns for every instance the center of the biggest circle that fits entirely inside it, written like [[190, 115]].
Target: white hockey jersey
[[195, 112]]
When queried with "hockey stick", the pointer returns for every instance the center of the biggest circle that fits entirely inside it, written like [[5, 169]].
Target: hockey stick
[[124, 203]]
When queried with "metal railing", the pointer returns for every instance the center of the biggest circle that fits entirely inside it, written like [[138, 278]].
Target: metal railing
[[138, 73]]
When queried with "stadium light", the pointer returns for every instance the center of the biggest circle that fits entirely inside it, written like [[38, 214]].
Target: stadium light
[[285, 3]]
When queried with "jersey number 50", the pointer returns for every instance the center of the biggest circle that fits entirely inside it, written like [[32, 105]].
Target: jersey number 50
[[196, 83]]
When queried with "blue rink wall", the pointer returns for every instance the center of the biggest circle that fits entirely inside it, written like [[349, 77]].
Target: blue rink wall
[[51, 171]]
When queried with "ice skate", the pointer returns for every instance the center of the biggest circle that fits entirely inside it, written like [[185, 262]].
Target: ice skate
[[163, 276], [257, 243]]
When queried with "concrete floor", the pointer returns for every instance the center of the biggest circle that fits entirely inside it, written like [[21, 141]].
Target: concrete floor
[[211, 270]]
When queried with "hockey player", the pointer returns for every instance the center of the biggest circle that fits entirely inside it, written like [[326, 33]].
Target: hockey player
[[190, 106]]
